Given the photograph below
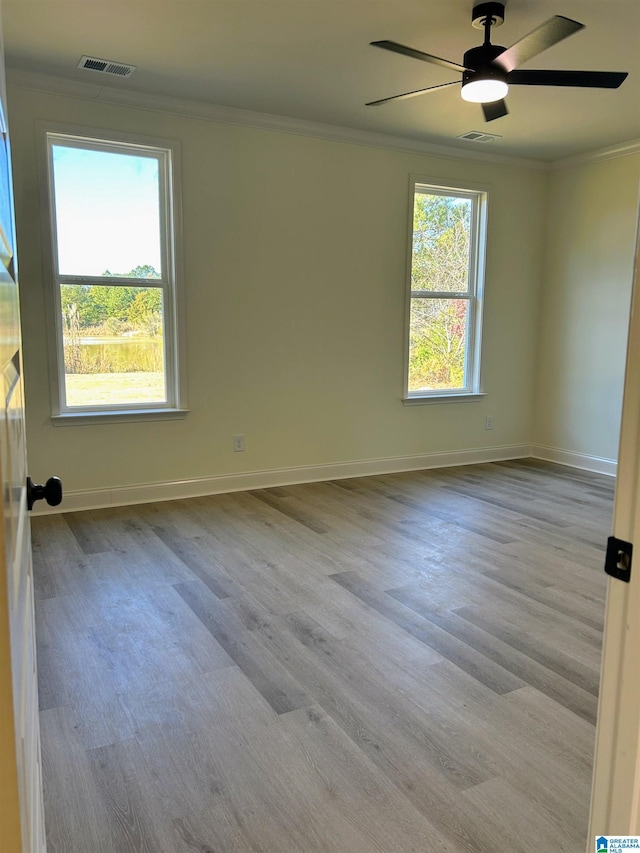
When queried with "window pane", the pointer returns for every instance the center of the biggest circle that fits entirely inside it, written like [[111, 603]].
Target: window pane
[[441, 237], [437, 344], [113, 345], [107, 212]]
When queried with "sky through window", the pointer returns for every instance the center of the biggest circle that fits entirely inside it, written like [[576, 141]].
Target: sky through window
[[107, 211]]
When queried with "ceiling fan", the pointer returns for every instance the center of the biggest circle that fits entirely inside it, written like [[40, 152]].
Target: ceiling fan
[[489, 70]]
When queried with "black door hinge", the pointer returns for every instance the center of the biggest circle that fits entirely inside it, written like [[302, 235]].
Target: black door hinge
[[618, 560]]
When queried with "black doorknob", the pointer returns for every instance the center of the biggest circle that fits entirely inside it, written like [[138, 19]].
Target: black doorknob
[[51, 492]]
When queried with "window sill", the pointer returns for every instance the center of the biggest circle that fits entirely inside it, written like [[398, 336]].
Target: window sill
[[444, 398], [106, 417]]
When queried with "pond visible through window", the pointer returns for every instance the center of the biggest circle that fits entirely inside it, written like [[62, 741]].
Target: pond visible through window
[[113, 345]]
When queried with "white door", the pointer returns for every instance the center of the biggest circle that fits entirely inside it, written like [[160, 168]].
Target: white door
[[615, 805], [21, 810]]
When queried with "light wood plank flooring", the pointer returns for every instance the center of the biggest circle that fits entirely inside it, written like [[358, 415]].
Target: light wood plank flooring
[[396, 663]]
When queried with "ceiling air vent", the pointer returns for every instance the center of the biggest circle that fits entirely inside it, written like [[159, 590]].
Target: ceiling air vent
[[477, 136], [106, 66]]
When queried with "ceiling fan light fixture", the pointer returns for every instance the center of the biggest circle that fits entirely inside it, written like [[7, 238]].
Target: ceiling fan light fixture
[[484, 90]]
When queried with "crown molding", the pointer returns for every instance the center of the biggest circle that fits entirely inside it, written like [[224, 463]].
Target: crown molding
[[37, 81], [611, 152]]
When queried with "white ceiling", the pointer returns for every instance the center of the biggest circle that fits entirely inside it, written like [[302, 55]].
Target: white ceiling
[[311, 59]]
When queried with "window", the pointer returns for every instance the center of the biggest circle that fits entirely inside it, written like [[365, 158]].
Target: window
[[445, 304], [114, 235]]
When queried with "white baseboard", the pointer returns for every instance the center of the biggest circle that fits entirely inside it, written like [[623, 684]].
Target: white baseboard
[[199, 486], [598, 464]]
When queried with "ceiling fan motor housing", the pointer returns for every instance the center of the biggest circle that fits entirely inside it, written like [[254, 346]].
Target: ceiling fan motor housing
[[481, 59]]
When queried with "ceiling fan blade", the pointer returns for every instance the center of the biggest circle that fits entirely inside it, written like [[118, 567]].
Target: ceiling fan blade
[[546, 35], [584, 79], [417, 54], [410, 94], [496, 109]]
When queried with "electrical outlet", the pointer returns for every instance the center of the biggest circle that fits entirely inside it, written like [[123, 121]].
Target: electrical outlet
[[488, 422], [238, 443]]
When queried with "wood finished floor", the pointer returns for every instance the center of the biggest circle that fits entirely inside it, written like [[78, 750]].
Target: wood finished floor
[[397, 663]]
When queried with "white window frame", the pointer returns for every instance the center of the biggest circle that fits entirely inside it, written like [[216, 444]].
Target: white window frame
[[474, 294], [167, 153]]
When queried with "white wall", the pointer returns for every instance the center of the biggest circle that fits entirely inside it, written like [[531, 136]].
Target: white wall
[[295, 255], [591, 223]]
